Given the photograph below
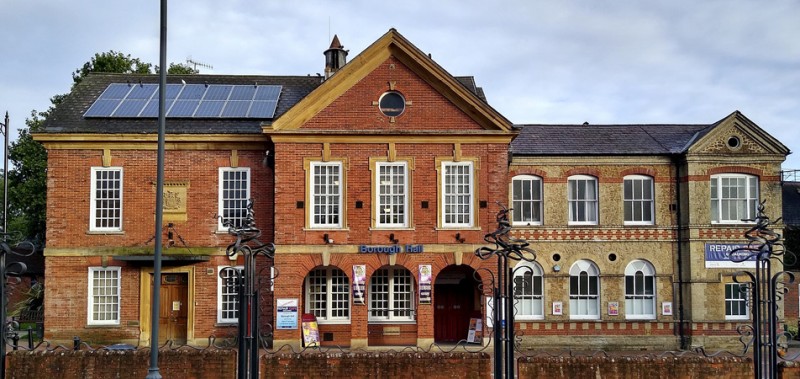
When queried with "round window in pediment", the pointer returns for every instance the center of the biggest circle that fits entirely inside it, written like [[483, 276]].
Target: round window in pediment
[[392, 104], [734, 142]]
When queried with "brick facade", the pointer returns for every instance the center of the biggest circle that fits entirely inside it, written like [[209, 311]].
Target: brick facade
[[443, 122]]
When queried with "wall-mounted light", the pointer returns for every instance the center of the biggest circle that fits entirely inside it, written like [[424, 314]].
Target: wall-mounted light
[[327, 238], [556, 268], [392, 239], [458, 238]]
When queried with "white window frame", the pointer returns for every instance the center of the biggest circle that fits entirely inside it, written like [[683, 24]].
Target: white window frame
[[528, 209], [738, 301], [396, 287], [224, 290], [391, 194], [94, 200], [582, 300], [331, 291], [114, 300], [749, 198], [638, 297], [224, 196], [638, 201], [464, 205], [333, 194], [526, 297], [588, 203]]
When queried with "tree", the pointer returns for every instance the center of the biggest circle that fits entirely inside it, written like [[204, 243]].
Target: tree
[[111, 61], [180, 69], [27, 180]]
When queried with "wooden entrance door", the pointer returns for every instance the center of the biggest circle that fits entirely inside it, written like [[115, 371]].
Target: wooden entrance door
[[172, 321], [454, 302]]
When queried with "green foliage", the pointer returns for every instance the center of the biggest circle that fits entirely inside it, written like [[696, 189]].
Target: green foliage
[[32, 302], [27, 182], [112, 61], [180, 69]]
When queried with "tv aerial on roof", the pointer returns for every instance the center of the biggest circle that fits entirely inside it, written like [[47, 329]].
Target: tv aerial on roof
[[196, 64]]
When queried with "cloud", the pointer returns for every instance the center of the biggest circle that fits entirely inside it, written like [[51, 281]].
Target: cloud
[[539, 62]]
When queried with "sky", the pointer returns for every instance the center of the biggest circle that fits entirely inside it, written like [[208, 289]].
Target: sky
[[560, 62]]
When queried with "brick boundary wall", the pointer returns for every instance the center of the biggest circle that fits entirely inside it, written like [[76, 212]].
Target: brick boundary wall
[[378, 365], [212, 364], [104, 364], [633, 366]]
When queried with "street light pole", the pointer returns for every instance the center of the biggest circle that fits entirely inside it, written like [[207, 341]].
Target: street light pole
[[153, 372], [5, 174], [3, 297]]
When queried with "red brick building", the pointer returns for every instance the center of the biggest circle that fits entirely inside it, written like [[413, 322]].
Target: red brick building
[[377, 183]]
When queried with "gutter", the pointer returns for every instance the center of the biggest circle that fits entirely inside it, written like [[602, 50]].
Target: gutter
[[684, 340]]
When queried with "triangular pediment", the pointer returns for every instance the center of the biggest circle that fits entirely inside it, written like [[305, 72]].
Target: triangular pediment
[[737, 134], [342, 95]]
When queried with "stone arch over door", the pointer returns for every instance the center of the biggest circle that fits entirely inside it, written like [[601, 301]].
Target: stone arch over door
[[456, 299]]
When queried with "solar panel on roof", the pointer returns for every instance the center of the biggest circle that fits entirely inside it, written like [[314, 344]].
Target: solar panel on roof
[[218, 92], [209, 108], [267, 93], [102, 108], [151, 109], [116, 91], [236, 108], [243, 93], [130, 108], [262, 109], [143, 91], [187, 100]]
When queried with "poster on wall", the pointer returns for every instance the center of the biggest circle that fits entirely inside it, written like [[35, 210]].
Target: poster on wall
[[558, 308], [666, 308], [310, 330], [425, 284], [475, 334], [286, 314], [613, 308], [359, 280]]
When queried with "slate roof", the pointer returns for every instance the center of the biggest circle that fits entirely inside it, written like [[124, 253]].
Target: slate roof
[[469, 82], [590, 139], [68, 116], [791, 203]]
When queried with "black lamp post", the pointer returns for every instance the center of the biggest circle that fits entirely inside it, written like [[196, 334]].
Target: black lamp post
[[3, 297], [505, 248], [153, 372], [4, 128]]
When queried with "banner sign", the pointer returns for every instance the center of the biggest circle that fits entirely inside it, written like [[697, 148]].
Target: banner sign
[[359, 280], [722, 255], [425, 279]]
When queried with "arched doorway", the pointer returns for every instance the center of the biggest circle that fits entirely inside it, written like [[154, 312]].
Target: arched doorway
[[456, 299]]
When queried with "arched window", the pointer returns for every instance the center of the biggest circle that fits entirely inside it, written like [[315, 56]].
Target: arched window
[[328, 295], [582, 196], [640, 290], [391, 294], [584, 291], [528, 291], [526, 193]]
